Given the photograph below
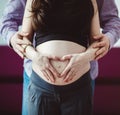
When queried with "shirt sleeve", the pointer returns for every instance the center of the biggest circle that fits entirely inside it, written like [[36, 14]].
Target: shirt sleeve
[[110, 21], [11, 19]]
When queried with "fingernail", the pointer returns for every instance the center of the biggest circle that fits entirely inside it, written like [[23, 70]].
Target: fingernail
[[66, 80]]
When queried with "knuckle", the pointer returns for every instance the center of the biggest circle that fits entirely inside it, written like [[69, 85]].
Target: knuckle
[[43, 68], [47, 65]]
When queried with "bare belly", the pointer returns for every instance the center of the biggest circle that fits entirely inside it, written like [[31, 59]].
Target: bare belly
[[58, 48]]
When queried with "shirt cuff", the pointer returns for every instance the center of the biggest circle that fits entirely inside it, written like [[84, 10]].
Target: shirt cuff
[[9, 36], [111, 39]]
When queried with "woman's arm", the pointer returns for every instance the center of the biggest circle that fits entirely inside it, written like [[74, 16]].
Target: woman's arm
[[95, 31], [38, 60], [27, 27], [27, 20], [95, 24], [110, 24], [110, 20], [81, 61]]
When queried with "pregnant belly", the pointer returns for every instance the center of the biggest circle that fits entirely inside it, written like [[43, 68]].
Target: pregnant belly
[[58, 48]]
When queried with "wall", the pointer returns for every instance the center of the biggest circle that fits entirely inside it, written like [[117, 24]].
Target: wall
[[2, 5]]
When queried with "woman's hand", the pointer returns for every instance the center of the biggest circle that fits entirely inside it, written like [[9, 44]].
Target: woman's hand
[[44, 65], [77, 66]]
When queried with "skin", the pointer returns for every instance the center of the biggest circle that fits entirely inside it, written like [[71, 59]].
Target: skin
[[17, 41], [103, 44], [70, 69]]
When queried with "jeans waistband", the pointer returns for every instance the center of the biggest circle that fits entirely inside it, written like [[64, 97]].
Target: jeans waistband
[[84, 81]]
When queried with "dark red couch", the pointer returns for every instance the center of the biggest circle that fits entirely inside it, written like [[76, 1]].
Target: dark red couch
[[107, 91]]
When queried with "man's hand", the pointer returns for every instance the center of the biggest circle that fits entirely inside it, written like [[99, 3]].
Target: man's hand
[[17, 41], [103, 45]]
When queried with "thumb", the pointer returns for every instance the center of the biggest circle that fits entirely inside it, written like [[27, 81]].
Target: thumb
[[23, 34], [97, 37], [66, 57], [53, 57]]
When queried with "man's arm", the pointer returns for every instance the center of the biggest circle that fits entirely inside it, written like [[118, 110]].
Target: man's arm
[[12, 18], [10, 22], [109, 20], [110, 24]]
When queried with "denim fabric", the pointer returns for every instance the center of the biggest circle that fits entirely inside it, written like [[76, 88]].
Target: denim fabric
[[48, 99], [26, 81], [93, 86]]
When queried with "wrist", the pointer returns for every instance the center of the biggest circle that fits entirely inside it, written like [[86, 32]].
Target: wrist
[[29, 51], [26, 46], [35, 56], [90, 54], [9, 38], [85, 55]]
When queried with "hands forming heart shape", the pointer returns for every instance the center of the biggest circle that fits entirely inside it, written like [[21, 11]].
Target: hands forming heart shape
[[67, 67]]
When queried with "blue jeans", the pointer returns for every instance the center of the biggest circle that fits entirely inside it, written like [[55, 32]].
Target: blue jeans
[[93, 86], [26, 81], [47, 99]]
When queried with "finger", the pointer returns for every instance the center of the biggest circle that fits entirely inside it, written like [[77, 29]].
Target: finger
[[23, 34], [53, 57], [101, 50], [54, 71], [19, 53], [100, 56], [99, 44], [99, 36], [20, 48], [66, 57], [68, 76], [26, 40], [45, 75], [50, 75], [22, 42], [71, 76], [51, 68], [65, 70]]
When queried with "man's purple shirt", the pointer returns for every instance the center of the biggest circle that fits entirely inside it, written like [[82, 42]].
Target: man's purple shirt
[[109, 21]]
